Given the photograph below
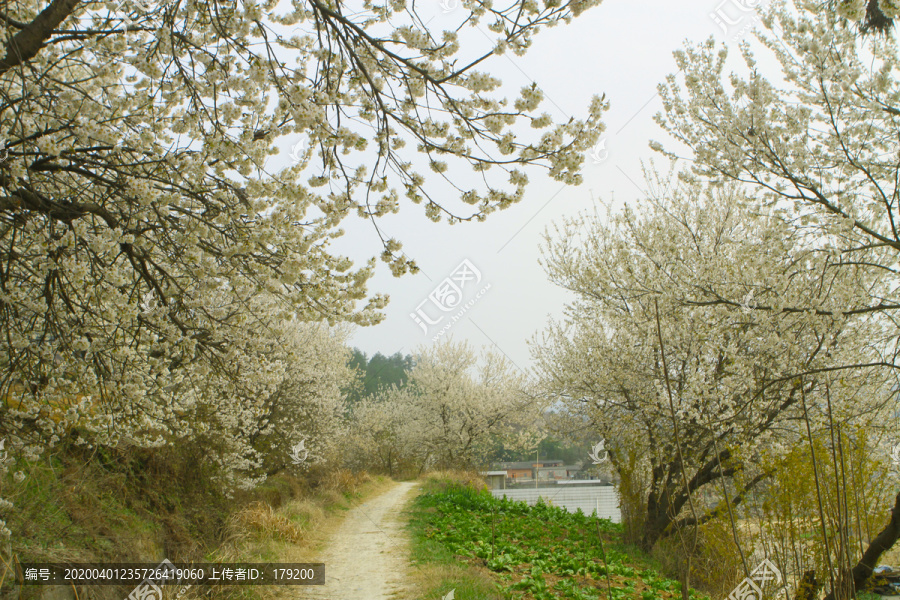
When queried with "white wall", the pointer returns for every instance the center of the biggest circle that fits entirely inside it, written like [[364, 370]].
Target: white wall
[[572, 498]]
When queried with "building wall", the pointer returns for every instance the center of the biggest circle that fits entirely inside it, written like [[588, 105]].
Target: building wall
[[551, 473], [496, 482], [572, 498]]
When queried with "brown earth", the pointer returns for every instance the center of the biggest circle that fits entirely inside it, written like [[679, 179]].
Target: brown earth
[[368, 556]]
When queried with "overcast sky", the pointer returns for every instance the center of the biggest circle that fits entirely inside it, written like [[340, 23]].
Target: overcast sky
[[620, 48]]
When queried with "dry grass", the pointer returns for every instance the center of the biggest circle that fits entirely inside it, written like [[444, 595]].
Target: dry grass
[[345, 480], [468, 478], [295, 532], [441, 576], [259, 518]]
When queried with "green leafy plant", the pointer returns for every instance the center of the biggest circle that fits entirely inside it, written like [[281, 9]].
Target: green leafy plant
[[539, 552]]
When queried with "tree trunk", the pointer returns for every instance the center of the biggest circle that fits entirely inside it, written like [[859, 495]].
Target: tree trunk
[[808, 589], [652, 532], [662, 520], [883, 542], [26, 44]]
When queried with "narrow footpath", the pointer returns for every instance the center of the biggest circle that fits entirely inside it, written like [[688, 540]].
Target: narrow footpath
[[367, 557]]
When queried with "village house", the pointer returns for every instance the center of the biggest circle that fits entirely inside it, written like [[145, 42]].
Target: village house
[[544, 470]]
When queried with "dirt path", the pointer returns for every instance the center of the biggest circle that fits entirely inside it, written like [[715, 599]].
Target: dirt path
[[368, 555]]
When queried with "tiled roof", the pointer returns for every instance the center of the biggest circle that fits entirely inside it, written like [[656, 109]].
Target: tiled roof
[[528, 464]]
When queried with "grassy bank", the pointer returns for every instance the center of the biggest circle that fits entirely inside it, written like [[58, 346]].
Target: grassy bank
[[295, 532], [143, 506], [482, 548]]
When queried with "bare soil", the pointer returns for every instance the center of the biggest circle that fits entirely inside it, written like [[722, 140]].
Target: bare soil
[[368, 556]]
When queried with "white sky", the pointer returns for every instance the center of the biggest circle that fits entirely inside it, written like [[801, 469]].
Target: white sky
[[620, 48]]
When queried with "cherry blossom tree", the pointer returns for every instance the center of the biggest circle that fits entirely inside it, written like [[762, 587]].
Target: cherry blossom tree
[[818, 145], [816, 142], [152, 250], [463, 402], [386, 436], [282, 386], [308, 407], [871, 16], [454, 408], [706, 395]]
